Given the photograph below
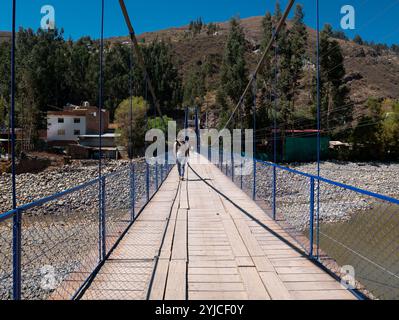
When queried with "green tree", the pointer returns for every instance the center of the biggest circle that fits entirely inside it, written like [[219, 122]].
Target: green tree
[[285, 79], [116, 76], [212, 28], [265, 81], [298, 38], [336, 110], [134, 130], [233, 70], [156, 123], [358, 39], [194, 88], [164, 75], [366, 136], [390, 133], [196, 26]]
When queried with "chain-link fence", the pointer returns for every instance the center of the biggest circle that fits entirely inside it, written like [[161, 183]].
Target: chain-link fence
[[6, 243], [50, 248], [354, 233], [358, 239]]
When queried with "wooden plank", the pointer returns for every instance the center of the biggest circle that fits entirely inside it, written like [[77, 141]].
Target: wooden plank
[[301, 262], [212, 264], [179, 251], [296, 270], [215, 295], [253, 284], [237, 245], [159, 282], [244, 262], [306, 277], [215, 286], [209, 271], [214, 278], [323, 295], [275, 287], [263, 264], [250, 242], [314, 285], [176, 282]]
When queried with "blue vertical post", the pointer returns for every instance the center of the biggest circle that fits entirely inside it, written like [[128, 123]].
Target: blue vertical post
[[162, 168], [133, 190], [254, 136], [185, 120], [103, 221], [166, 165], [17, 215], [156, 176], [232, 165], [274, 211], [241, 157], [318, 124], [241, 165], [147, 180], [274, 187], [221, 158], [197, 130], [311, 217], [227, 165]]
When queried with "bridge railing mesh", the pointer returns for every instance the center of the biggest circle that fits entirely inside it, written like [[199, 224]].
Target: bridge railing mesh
[[6, 258], [350, 231], [118, 205], [292, 205], [358, 239], [65, 238], [59, 244]]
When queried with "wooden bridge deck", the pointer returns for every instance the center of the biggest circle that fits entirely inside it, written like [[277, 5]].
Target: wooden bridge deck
[[190, 242]]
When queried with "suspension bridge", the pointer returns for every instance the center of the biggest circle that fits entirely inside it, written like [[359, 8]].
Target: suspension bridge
[[219, 234]]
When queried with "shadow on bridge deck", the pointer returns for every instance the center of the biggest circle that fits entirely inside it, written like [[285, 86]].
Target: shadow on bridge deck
[[191, 242]]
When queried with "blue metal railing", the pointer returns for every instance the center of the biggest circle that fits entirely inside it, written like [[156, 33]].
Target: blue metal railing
[[65, 238], [355, 235]]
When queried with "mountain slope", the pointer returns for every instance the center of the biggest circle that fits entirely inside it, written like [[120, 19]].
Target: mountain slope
[[368, 73]]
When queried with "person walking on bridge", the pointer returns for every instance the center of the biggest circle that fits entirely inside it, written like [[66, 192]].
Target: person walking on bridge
[[182, 152]]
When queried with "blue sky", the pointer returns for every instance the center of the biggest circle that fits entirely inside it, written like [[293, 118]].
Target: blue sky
[[375, 20]]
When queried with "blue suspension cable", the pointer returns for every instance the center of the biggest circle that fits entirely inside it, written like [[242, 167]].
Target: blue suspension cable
[[318, 124], [254, 88], [12, 111], [17, 216], [274, 211], [275, 98], [131, 104], [101, 187], [101, 93]]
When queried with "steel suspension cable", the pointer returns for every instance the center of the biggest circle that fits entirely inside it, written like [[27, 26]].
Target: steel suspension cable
[[275, 101], [17, 216], [131, 104], [318, 124], [100, 129]]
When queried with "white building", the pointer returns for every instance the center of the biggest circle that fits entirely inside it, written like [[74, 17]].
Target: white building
[[65, 127]]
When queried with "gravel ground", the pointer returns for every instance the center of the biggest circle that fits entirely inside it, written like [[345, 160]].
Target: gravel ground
[[376, 177]]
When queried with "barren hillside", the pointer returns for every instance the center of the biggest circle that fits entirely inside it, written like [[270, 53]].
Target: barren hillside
[[368, 73]]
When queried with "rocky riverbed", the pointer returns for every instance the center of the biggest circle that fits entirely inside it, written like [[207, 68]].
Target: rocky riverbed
[[336, 204], [375, 177], [32, 187]]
